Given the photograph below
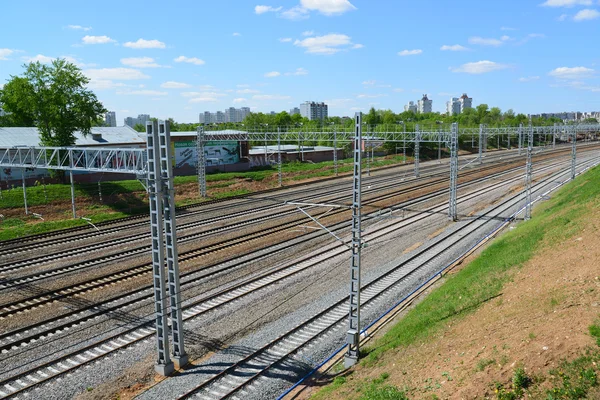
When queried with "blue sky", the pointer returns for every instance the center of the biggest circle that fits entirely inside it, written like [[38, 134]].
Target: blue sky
[[191, 56]]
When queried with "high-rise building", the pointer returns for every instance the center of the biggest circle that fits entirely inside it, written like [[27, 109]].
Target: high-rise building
[[453, 106], [244, 112], [230, 115], [466, 102], [424, 105], [313, 110], [411, 106], [295, 111], [141, 119], [110, 119]]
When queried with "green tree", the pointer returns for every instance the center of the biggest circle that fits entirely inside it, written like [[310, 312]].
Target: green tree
[[14, 98], [55, 99], [139, 128]]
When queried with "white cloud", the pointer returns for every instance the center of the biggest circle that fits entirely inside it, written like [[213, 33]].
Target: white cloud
[[248, 91], [175, 85], [586, 15], [243, 85], [270, 97], [297, 72], [40, 57], [145, 44], [398, 90], [203, 100], [97, 39], [240, 100], [369, 82], [236, 34], [479, 67], [79, 28], [119, 74], [488, 41], [142, 93], [566, 3], [455, 47], [285, 40], [263, 9], [328, 7], [563, 17], [529, 78], [308, 33], [202, 94], [405, 53], [295, 13], [371, 96], [140, 62], [190, 60], [358, 46], [4, 53], [571, 73], [272, 74], [104, 84], [327, 44]]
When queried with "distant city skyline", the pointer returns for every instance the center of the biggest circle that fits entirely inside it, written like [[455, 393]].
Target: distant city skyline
[[509, 54]]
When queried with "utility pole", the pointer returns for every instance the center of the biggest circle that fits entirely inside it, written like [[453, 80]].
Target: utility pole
[[353, 334], [164, 366], [279, 167], [335, 167], [417, 145], [452, 209], [529, 175], [201, 161], [574, 154], [180, 357], [520, 138]]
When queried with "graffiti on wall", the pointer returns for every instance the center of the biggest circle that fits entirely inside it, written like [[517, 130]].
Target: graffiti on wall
[[217, 152]]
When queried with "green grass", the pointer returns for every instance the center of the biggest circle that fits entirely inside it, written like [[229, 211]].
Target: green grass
[[483, 279], [375, 389]]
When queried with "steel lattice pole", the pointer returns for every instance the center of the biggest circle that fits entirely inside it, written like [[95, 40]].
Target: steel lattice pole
[[201, 161], [279, 172], [452, 209], [164, 365], [404, 143], [529, 175], [574, 154], [180, 357], [353, 334], [520, 138], [24, 191], [417, 146], [480, 143], [335, 164]]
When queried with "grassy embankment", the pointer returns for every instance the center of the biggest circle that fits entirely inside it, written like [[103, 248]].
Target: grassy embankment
[[554, 222], [124, 198]]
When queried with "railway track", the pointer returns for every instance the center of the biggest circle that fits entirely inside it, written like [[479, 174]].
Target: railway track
[[86, 232], [39, 299], [69, 362], [15, 265], [96, 247], [236, 380]]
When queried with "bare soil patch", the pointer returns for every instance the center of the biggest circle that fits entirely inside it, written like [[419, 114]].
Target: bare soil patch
[[540, 318]]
